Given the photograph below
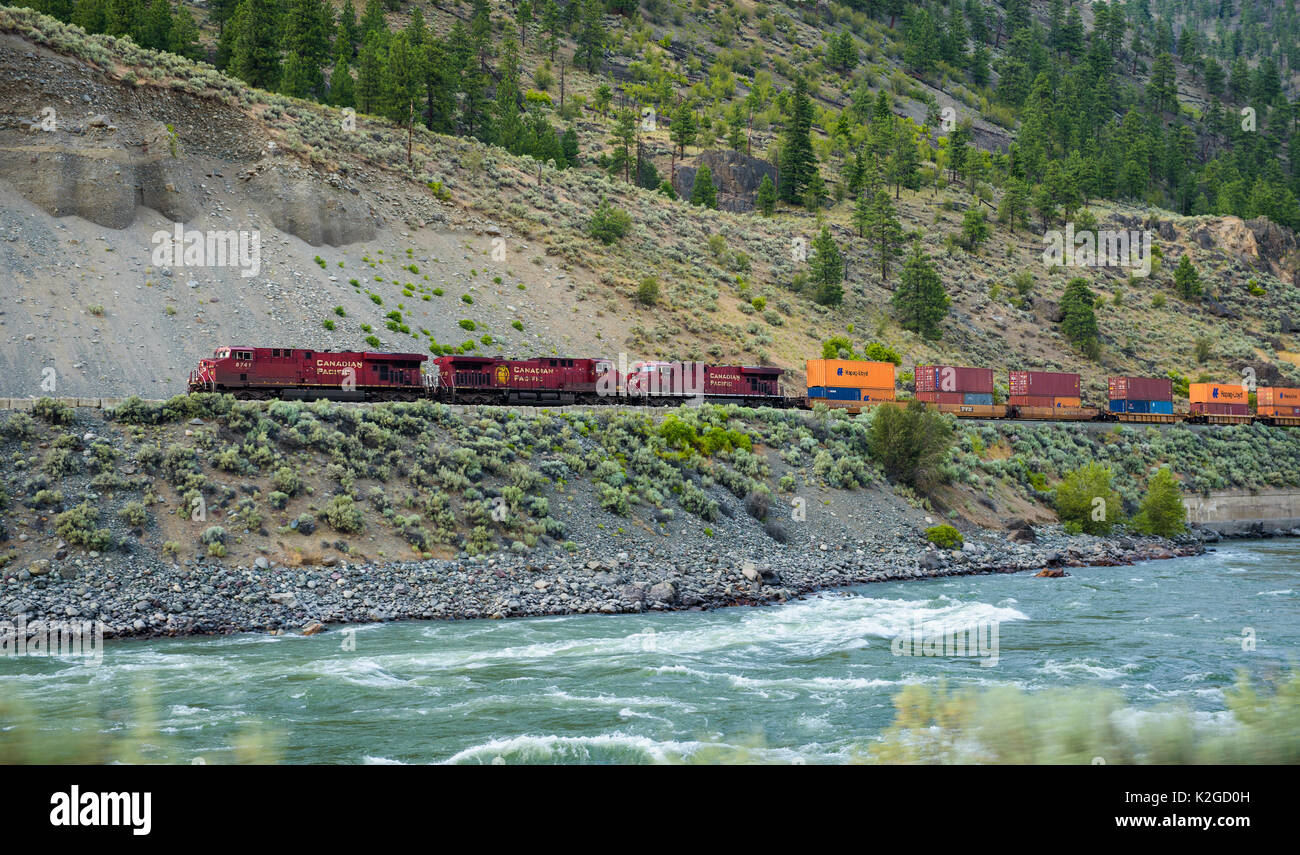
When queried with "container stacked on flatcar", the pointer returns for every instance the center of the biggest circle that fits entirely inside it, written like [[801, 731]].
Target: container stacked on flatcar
[[1141, 399], [1046, 395], [1278, 405], [1219, 403], [964, 392], [849, 384]]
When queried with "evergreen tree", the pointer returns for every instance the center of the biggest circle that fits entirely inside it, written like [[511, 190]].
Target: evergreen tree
[[904, 163], [703, 191], [342, 88], [1078, 318], [1187, 279], [507, 125], [370, 72], [798, 161], [878, 222], [372, 20], [826, 269], [920, 302], [348, 29], [765, 198], [183, 39], [157, 26], [255, 57], [591, 37], [403, 79], [1013, 210]]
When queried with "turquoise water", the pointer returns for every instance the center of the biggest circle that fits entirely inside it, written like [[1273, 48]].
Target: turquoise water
[[810, 681]]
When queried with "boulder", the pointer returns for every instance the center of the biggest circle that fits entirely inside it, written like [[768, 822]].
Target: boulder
[[39, 567], [1050, 574], [736, 175], [313, 628], [662, 592]]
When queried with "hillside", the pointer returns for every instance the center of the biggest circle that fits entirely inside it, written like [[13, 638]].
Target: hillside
[[468, 235]]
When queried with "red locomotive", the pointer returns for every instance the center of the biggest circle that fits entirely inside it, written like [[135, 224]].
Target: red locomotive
[[273, 372], [546, 380], [260, 372]]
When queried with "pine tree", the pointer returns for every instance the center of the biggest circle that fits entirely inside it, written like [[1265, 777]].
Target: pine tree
[[624, 139], [507, 125], [91, 15], [826, 269], [591, 37], [904, 164], [878, 222], [920, 302], [255, 56], [1078, 319], [765, 198], [157, 25], [370, 72], [703, 191], [1013, 210], [798, 161], [372, 20], [348, 29], [403, 79], [1187, 279], [342, 87], [183, 40]]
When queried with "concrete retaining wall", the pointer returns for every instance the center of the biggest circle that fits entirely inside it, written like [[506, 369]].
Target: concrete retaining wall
[[1239, 511], [90, 403]]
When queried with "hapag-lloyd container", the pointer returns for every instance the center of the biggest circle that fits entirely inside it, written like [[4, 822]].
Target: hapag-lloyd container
[[1216, 393], [1043, 383], [850, 374], [834, 393], [1140, 389], [1277, 397], [953, 378]]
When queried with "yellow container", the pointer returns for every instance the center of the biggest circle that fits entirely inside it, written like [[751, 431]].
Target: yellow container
[[846, 373]]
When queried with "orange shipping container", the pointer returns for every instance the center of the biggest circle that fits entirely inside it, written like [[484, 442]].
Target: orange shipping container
[[846, 373], [878, 394], [1216, 393], [1277, 396], [1066, 402]]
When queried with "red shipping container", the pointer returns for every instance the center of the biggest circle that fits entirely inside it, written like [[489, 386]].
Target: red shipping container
[[1221, 409], [1031, 400], [941, 397], [1044, 383], [953, 378], [1140, 389]]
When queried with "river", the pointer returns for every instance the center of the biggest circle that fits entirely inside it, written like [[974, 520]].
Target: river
[[811, 681]]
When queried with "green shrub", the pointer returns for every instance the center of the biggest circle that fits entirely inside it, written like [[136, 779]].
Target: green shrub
[[944, 536], [20, 425], [78, 527], [286, 480], [52, 411], [1162, 511], [342, 514], [134, 514], [910, 443], [609, 224], [1085, 500]]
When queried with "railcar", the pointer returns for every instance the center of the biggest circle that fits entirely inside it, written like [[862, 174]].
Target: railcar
[[259, 373]]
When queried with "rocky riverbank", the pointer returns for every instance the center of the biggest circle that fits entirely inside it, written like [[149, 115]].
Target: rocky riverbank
[[137, 595]]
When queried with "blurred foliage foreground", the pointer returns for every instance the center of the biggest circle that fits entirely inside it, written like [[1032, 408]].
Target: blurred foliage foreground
[[932, 725]]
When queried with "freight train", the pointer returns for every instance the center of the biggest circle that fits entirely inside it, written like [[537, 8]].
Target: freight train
[[260, 373]]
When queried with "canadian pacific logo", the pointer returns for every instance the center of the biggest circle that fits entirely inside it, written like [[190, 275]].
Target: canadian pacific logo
[[503, 374]]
